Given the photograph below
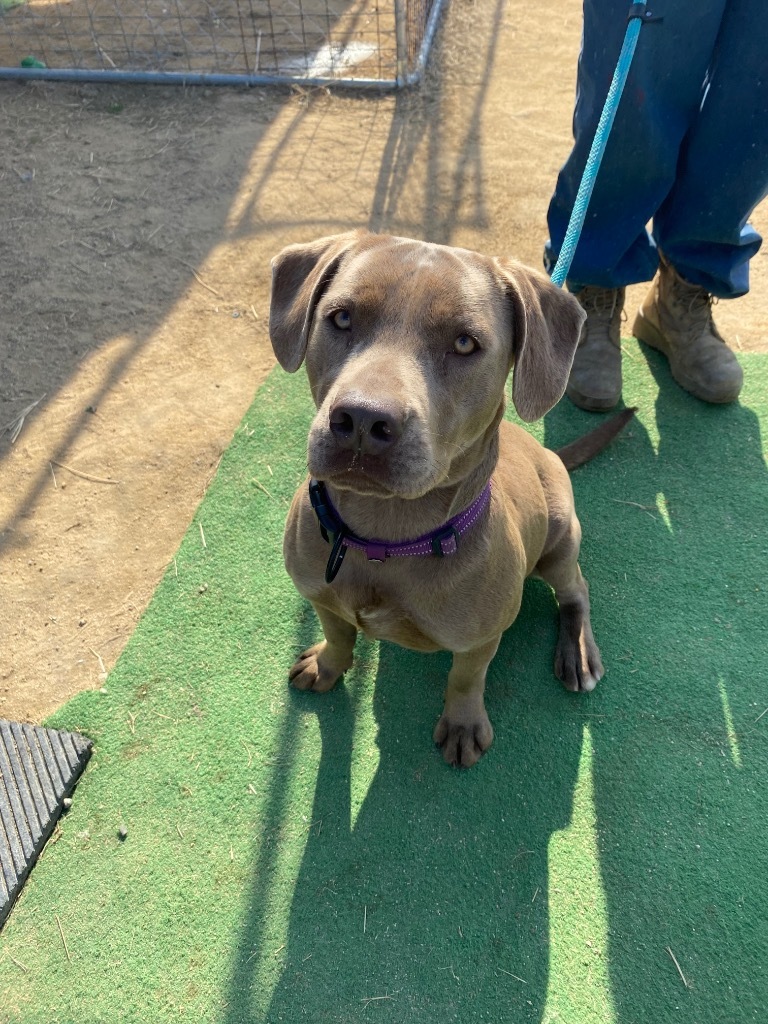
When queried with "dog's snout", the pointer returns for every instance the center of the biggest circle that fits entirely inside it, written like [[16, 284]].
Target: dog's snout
[[370, 429]]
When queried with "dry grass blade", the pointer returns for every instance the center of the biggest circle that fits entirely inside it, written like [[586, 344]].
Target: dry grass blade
[[375, 999], [61, 933], [511, 975], [17, 423], [677, 965]]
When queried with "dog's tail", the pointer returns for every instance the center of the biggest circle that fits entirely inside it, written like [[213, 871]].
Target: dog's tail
[[585, 448]]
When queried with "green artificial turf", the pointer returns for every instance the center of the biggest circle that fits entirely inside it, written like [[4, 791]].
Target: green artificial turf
[[296, 857]]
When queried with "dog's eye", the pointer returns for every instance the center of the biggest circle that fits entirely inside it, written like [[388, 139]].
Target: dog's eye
[[465, 345], [342, 319]]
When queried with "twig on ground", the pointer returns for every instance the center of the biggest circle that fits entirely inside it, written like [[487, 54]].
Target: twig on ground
[[199, 279], [202, 535], [102, 666], [84, 476], [760, 716]]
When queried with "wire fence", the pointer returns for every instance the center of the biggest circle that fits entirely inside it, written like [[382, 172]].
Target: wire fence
[[382, 43]]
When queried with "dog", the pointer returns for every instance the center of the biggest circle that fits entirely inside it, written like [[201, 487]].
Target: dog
[[425, 510]]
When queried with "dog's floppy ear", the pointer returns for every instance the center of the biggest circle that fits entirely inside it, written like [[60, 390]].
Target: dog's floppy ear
[[546, 323], [300, 274]]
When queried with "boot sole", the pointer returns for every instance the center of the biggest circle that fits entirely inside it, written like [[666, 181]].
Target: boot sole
[[644, 331], [589, 402]]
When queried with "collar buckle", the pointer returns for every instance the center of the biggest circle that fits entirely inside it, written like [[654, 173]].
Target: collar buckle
[[445, 542]]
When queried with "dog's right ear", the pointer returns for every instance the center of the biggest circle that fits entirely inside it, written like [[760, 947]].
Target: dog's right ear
[[546, 324], [300, 275]]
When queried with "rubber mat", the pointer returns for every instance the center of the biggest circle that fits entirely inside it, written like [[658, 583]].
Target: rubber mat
[[38, 770]]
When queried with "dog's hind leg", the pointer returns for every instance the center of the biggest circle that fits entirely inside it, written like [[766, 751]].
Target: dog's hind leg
[[577, 658], [320, 667], [464, 730]]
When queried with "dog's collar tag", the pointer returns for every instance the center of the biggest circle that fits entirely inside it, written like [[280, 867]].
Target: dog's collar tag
[[441, 542]]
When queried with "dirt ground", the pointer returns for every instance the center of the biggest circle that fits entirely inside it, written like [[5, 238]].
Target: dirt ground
[[137, 229]]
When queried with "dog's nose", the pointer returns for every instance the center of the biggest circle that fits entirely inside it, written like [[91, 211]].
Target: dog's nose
[[370, 429]]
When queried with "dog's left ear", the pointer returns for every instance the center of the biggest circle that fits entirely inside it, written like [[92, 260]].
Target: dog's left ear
[[546, 323], [300, 275]]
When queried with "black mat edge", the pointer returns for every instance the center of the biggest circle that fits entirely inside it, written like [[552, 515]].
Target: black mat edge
[[39, 769]]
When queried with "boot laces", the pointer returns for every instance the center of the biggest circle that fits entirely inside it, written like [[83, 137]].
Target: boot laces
[[605, 311], [599, 302], [697, 303]]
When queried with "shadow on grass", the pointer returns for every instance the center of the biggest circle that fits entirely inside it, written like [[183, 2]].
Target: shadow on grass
[[424, 893], [422, 890], [675, 551]]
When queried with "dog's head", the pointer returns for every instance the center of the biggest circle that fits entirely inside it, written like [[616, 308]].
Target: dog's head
[[408, 345]]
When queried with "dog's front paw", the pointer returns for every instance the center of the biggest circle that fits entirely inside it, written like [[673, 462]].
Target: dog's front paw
[[314, 670], [464, 735], [577, 663]]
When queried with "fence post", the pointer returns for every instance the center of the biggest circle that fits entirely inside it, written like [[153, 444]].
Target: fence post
[[401, 38]]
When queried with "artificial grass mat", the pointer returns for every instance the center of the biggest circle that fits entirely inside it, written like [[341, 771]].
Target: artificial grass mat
[[299, 857]]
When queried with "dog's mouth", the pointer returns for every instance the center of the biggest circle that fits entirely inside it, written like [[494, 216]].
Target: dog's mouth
[[402, 474]]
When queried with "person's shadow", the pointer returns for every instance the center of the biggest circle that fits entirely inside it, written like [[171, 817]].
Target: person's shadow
[[679, 578]]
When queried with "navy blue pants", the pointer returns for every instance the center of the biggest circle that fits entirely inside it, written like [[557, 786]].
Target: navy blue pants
[[688, 150]]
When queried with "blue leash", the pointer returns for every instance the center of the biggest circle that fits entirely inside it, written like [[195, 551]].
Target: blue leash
[[637, 15]]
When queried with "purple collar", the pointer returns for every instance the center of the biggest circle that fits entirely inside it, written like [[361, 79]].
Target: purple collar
[[440, 542]]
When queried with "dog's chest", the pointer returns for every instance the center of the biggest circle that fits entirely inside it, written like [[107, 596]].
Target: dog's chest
[[381, 616]]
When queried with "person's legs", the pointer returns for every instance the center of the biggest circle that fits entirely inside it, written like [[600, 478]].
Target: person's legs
[[701, 228], [702, 225], [661, 98]]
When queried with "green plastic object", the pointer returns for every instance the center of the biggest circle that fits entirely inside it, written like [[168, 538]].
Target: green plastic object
[[32, 62]]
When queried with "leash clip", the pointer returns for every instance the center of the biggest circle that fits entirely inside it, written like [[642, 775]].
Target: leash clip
[[641, 11], [318, 498], [338, 551], [330, 527]]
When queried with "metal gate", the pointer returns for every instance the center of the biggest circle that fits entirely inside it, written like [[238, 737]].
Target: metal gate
[[360, 43]]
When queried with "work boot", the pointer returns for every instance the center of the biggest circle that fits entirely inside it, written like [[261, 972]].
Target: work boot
[[595, 381], [676, 319]]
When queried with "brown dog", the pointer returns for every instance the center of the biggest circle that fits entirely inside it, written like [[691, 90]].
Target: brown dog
[[408, 346]]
